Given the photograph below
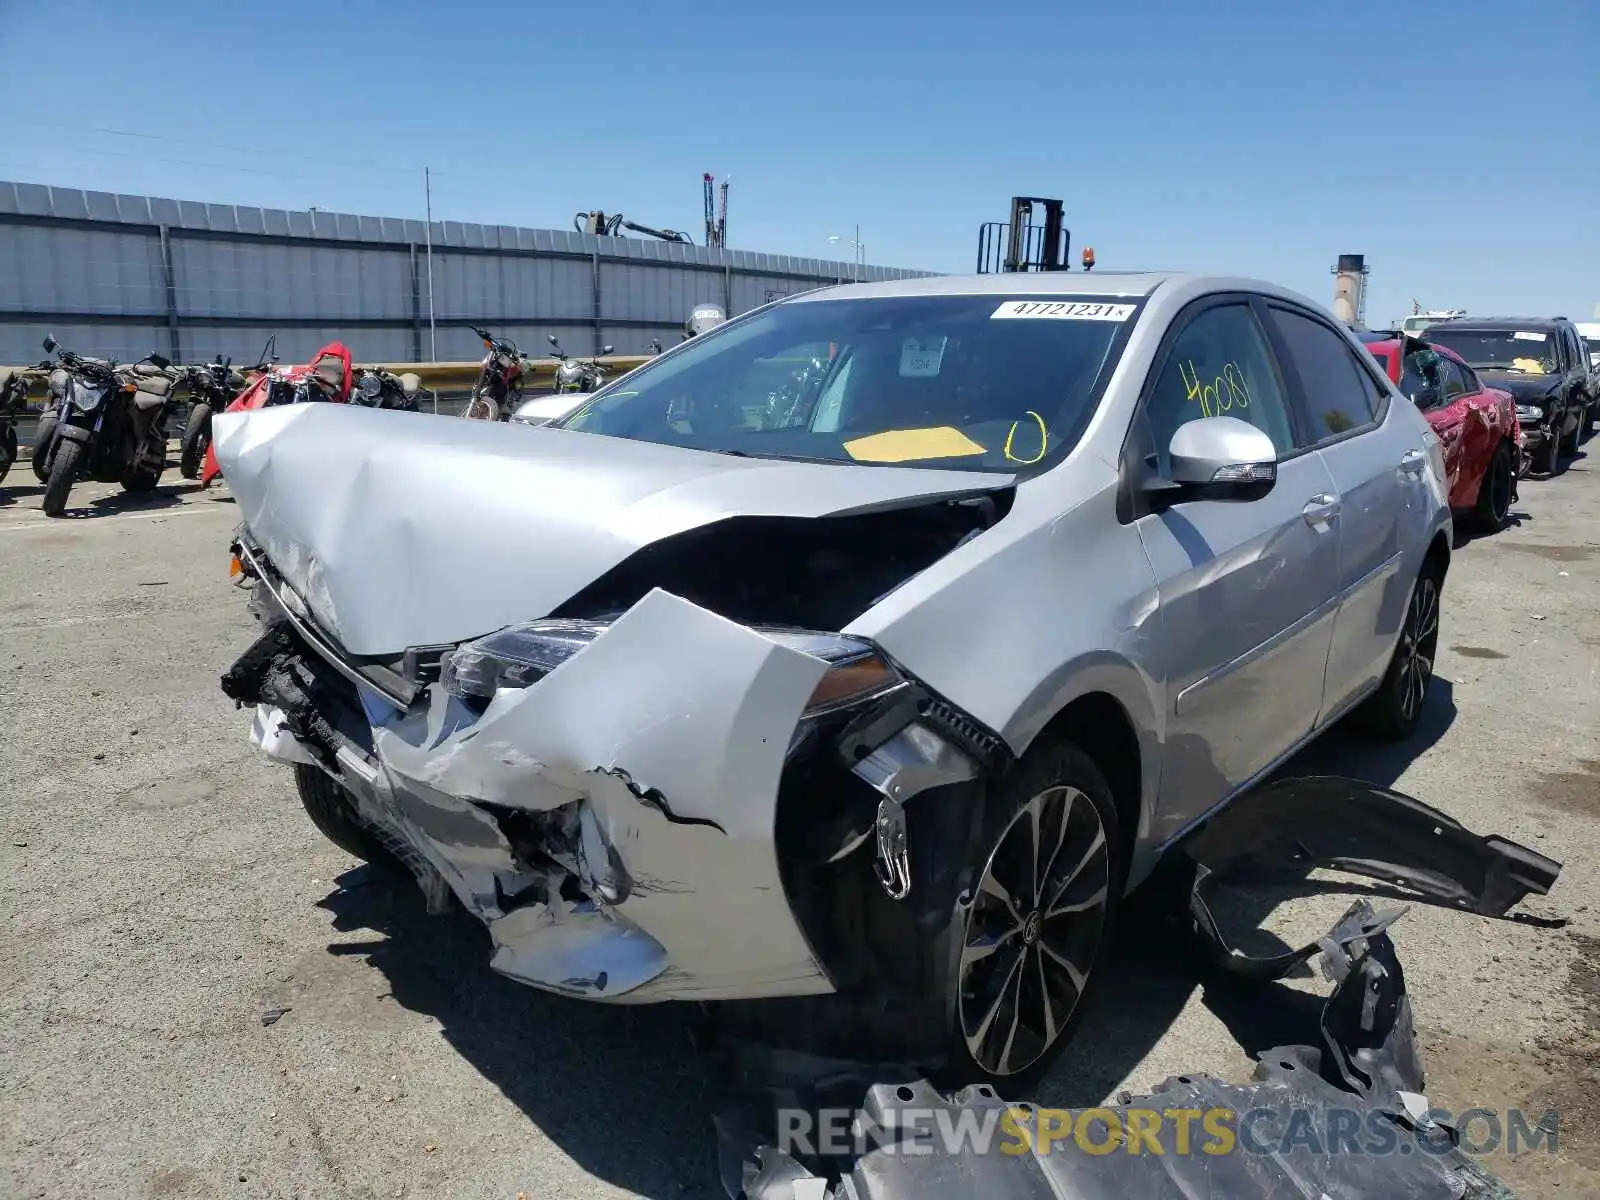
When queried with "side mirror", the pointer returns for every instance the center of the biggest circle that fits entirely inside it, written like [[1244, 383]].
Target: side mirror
[[160, 361], [1219, 458], [606, 349], [552, 340], [50, 343]]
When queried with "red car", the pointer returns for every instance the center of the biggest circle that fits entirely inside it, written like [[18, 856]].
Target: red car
[[1477, 424]]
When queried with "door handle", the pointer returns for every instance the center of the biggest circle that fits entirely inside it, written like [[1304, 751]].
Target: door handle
[[1320, 511], [1412, 462]]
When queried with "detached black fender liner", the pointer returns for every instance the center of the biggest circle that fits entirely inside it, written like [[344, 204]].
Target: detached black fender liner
[[1292, 825]]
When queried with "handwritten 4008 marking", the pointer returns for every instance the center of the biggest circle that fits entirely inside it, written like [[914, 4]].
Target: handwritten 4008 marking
[[1227, 391]]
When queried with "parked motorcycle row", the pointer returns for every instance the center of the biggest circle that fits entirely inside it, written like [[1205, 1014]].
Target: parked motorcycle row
[[108, 422]]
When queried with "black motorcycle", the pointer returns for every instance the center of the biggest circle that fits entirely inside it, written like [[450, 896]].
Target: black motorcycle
[[109, 424], [13, 401], [211, 387], [576, 374], [384, 389]]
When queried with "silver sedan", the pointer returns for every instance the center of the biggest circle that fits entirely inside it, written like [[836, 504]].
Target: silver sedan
[[873, 644]]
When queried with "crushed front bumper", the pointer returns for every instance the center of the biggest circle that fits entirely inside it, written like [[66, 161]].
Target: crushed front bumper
[[615, 824]]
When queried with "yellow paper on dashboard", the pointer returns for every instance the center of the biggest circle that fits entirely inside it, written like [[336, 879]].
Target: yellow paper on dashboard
[[909, 445], [1531, 365]]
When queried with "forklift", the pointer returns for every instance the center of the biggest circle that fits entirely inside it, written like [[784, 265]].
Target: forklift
[[1021, 244]]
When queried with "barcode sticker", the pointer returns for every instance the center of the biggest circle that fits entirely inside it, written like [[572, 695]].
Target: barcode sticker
[[1062, 310]]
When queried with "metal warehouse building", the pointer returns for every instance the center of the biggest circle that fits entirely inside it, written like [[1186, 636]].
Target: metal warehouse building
[[122, 276]]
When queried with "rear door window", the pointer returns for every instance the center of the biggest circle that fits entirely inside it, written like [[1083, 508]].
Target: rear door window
[[1340, 396]]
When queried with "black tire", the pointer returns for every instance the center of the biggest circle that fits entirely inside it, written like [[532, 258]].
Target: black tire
[[196, 437], [1494, 493], [1393, 712], [1550, 456], [959, 925], [139, 482], [8, 449], [1569, 443], [331, 811], [41, 446], [63, 474]]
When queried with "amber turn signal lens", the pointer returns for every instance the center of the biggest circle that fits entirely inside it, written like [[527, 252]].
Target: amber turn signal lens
[[235, 567], [851, 681]]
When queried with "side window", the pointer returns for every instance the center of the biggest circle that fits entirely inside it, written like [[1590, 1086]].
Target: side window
[[1421, 374], [1339, 396], [1470, 378], [1575, 350], [1455, 382], [1220, 365]]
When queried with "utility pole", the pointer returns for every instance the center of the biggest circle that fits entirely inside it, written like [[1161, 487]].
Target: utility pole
[[861, 254], [433, 340]]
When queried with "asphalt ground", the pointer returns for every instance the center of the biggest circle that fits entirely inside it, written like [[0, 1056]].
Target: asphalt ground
[[199, 996]]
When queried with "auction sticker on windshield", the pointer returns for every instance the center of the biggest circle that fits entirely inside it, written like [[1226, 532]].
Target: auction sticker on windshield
[[920, 357], [1062, 310], [1523, 336]]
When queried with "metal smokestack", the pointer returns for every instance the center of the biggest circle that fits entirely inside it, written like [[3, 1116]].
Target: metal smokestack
[[1350, 289]]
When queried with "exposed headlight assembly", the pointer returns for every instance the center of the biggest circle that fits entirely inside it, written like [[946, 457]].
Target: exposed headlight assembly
[[521, 655], [1529, 412]]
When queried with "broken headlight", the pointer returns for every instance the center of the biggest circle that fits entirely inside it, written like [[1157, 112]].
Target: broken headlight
[[523, 654]]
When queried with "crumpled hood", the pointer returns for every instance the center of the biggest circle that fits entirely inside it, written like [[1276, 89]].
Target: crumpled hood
[[403, 531]]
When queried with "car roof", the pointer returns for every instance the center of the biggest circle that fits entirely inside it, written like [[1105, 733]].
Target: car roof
[[1018, 283], [1498, 323]]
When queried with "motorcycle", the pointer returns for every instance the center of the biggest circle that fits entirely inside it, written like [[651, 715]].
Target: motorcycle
[[110, 425], [578, 375], [498, 390], [384, 389], [13, 400], [326, 378], [210, 386]]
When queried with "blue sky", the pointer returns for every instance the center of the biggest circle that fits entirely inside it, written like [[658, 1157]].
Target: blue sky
[[1457, 145]]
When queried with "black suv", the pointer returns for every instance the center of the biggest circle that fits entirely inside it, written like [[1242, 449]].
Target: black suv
[[1542, 362]]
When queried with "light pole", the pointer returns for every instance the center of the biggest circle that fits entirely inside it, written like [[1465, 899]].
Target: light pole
[[858, 255]]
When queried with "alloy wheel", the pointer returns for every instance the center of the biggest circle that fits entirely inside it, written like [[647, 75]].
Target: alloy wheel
[[1418, 643], [1033, 930]]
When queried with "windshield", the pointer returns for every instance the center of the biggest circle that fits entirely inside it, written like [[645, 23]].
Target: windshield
[[977, 383], [1500, 349]]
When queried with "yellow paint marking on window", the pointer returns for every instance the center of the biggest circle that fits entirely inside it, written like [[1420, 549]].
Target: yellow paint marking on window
[[1044, 440], [908, 445], [1227, 391]]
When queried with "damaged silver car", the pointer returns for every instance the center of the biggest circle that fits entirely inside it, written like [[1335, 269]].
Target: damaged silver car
[[874, 643]]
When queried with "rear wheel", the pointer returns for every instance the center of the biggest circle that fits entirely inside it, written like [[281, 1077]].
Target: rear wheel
[[41, 446], [332, 812], [1394, 711], [196, 437], [63, 474], [1494, 493]]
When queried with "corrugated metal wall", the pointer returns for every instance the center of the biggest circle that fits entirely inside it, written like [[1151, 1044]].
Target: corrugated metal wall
[[124, 275]]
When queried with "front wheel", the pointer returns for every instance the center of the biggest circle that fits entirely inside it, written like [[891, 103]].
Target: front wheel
[[1394, 711], [1569, 443], [41, 445], [1032, 923], [196, 437], [1494, 493], [63, 474], [143, 481], [8, 449], [333, 813]]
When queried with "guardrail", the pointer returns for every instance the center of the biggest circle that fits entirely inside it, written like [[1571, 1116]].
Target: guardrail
[[436, 376]]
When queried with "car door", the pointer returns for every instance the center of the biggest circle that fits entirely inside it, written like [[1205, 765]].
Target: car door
[[1422, 379], [1373, 455], [1245, 588]]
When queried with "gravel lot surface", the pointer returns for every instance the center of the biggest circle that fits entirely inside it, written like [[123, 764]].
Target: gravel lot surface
[[164, 899]]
